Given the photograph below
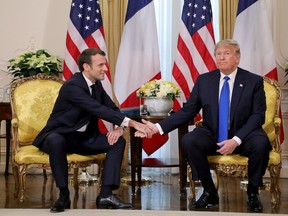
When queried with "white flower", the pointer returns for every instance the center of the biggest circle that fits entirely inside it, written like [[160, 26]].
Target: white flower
[[159, 88]]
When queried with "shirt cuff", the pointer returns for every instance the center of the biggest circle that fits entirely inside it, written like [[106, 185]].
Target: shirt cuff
[[159, 129], [125, 122], [238, 140]]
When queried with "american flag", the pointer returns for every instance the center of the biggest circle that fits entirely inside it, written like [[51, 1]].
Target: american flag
[[85, 30], [195, 47]]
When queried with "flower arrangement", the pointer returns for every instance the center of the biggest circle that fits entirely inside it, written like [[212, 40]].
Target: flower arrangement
[[32, 63], [159, 88]]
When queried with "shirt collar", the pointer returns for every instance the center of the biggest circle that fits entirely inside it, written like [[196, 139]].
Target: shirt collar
[[89, 83], [231, 75]]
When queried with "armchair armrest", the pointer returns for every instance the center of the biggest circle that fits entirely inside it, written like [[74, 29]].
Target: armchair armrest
[[277, 145], [199, 123], [14, 132]]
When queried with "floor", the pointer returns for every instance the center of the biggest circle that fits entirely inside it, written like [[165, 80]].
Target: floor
[[161, 192]]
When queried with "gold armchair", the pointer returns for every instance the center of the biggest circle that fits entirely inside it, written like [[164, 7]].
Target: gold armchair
[[237, 165], [32, 100]]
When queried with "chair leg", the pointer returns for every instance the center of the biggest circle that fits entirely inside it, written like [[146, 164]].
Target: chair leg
[[45, 174], [16, 179], [216, 179], [274, 188], [22, 183], [192, 195], [75, 179]]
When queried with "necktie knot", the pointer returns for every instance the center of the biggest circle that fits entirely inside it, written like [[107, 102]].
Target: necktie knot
[[226, 78]]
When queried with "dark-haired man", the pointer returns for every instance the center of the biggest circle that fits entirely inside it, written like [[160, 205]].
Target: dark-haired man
[[73, 128]]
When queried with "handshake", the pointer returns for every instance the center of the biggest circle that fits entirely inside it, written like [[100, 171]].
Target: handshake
[[145, 129]]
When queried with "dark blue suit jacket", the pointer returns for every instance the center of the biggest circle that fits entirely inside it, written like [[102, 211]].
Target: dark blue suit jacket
[[247, 108], [75, 107]]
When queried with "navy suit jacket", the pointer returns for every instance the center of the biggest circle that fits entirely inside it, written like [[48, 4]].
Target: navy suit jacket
[[75, 107], [247, 107]]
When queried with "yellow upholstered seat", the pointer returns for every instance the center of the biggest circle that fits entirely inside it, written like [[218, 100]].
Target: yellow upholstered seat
[[237, 165], [32, 101]]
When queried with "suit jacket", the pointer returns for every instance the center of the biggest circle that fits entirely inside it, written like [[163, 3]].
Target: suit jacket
[[75, 107], [247, 107]]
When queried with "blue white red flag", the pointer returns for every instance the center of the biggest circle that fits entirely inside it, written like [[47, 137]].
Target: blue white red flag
[[138, 60], [195, 47], [85, 30], [254, 34]]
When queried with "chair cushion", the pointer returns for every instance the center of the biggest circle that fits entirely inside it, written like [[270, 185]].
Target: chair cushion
[[274, 159], [31, 154]]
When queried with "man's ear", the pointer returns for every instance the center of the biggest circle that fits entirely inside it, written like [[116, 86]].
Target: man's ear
[[86, 66]]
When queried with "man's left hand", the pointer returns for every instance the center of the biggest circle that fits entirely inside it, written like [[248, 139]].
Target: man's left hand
[[114, 135]]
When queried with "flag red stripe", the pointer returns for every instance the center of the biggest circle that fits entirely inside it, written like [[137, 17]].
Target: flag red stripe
[[68, 74], [72, 48], [209, 27], [180, 79], [188, 58], [203, 51]]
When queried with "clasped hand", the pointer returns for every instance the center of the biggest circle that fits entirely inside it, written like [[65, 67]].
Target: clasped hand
[[150, 127]]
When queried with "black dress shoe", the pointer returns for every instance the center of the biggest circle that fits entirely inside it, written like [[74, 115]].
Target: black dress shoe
[[206, 200], [111, 202], [254, 203], [61, 204]]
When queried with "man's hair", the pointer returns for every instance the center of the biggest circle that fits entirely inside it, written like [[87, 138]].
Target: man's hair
[[229, 42], [85, 57]]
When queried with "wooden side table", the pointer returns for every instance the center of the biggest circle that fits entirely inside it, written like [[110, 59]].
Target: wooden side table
[[136, 155], [6, 114]]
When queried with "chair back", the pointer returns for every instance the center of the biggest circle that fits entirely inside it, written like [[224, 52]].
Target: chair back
[[273, 96], [32, 101]]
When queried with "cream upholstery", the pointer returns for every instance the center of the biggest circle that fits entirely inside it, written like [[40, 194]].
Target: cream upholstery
[[237, 165], [32, 100]]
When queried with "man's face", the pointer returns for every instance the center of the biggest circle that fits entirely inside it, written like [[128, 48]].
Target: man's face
[[227, 59], [98, 68]]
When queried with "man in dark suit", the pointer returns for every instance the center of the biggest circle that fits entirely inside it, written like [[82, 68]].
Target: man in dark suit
[[73, 128], [245, 116]]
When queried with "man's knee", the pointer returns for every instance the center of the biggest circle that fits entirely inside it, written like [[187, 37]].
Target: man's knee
[[54, 140], [121, 143], [188, 140]]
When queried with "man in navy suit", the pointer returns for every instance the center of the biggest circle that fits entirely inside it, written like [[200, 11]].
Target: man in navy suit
[[244, 133], [73, 128]]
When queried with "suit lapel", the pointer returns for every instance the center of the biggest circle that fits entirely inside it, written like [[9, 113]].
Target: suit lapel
[[214, 85], [238, 88]]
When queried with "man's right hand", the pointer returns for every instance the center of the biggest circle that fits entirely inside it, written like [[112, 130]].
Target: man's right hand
[[152, 127], [142, 129]]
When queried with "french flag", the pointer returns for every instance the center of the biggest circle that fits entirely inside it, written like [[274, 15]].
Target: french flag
[[138, 60], [254, 34]]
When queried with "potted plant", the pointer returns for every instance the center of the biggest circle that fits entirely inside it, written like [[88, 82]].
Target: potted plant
[[158, 96], [32, 63]]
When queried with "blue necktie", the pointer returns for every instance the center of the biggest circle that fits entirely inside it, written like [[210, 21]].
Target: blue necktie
[[223, 111]]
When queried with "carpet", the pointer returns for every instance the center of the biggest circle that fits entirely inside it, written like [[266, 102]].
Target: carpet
[[95, 212]]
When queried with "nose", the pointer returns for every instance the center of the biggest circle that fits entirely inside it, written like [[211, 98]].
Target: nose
[[105, 68]]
